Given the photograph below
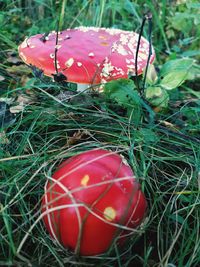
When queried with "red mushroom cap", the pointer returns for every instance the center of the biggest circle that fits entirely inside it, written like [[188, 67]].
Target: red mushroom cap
[[91, 195], [87, 55]]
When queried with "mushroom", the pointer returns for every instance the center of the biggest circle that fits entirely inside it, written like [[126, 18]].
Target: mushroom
[[91, 199], [86, 55]]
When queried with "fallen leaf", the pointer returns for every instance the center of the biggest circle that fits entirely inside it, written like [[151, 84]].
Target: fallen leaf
[[2, 78], [25, 99], [17, 109], [7, 100], [24, 80], [77, 136], [21, 69], [65, 95], [3, 138], [14, 60], [22, 101]]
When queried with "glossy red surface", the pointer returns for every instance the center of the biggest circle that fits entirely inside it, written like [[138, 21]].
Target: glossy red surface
[[102, 193], [87, 55]]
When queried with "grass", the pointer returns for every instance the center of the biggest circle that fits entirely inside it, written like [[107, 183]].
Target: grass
[[164, 153]]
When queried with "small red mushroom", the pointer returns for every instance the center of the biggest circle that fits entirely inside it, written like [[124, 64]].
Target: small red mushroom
[[91, 199], [87, 55]]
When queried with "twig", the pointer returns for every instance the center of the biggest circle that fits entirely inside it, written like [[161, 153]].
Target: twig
[[56, 49], [149, 18], [137, 51]]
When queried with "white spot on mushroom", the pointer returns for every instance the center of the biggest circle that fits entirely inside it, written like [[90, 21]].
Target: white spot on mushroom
[[114, 47], [109, 213], [57, 63], [85, 180], [91, 54], [119, 71], [145, 45], [131, 66], [83, 29], [69, 62], [123, 38], [121, 50], [142, 55], [79, 64], [58, 46], [113, 31], [132, 48], [52, 55], [103, 81], [134, 40], [96, 29], [107, 68]]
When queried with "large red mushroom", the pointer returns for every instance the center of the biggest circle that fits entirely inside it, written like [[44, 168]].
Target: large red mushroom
[[86, 55], [91, 199]]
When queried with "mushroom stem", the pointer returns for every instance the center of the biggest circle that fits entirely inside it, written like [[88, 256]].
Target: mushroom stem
[[82, 87]]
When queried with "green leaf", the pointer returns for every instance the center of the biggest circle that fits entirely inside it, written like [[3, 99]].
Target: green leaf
[[176, 65], [182, 21], [193, 5], [123, 92], [194, 72], [152, 76], [174, 79], [152, 92], [191, 53], [148, 135], [157, 96]]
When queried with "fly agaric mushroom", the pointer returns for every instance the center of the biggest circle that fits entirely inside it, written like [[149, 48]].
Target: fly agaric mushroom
[[89, 200], [86, 55]]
